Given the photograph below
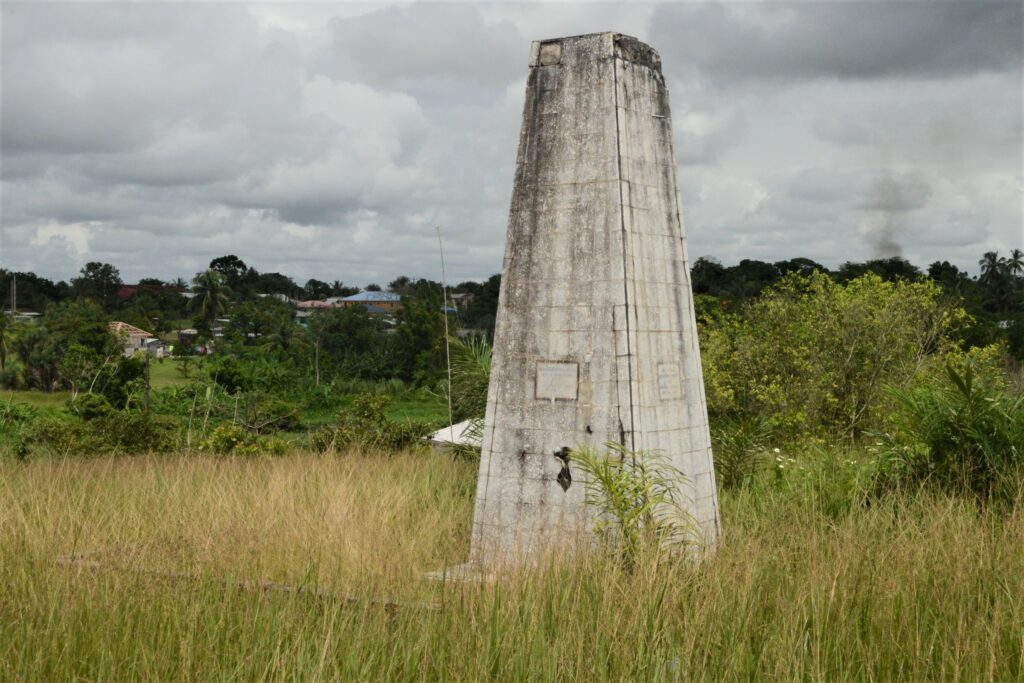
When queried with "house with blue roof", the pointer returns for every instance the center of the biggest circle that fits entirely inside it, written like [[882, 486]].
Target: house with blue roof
[[379, 303]]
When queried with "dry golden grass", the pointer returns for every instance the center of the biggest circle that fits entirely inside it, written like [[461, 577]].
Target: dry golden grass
[[909, 589]]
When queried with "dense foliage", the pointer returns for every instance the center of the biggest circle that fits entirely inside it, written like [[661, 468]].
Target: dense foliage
[[793, 353], [960, 431], [812, 356]]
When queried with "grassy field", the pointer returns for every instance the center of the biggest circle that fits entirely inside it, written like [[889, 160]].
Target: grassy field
[[929, 588], [36, 399], [164, 373]]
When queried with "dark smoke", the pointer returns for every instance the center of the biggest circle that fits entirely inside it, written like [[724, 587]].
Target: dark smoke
[[888, 201]]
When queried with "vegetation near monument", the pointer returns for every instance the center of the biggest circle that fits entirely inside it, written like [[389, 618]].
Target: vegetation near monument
[[261, 502]]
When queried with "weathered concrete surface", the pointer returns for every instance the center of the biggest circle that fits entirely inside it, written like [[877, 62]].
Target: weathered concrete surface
[[595, 339]]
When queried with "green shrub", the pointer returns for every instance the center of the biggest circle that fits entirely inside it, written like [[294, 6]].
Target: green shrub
[[140, 433], [115, 432], [365, 424], [369, 409], [260, 413], [90, 406], [962, 435], [740, 446], [233, 439], [224, 439], [813, 356], [12, 413], [636, 495], [229, 373], [10, 378], [14, 419], [827, 480]]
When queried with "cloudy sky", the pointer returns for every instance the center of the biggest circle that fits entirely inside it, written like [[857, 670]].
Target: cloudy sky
[[327, 140]]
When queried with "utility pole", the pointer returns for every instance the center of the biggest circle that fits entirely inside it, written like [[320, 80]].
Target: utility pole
[[145, 396]]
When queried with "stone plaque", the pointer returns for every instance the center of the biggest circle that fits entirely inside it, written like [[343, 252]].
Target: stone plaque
[[669, 386], [557, 381]]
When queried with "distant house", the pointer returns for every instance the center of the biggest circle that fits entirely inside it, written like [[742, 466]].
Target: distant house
[[283, 298], [380, 302], [461, 299], [158, 348], [305, 305], [132, 338]]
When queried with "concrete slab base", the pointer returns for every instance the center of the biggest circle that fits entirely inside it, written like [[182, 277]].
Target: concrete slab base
[[468, 572]]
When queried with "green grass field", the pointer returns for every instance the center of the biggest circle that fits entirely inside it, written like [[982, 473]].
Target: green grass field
[[162, 374], [171, 552], [37, 399], [165, 373]]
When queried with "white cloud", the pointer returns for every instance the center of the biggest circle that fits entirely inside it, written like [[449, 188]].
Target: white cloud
[[328, 140]]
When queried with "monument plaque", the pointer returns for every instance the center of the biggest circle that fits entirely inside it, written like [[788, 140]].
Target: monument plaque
[[595, 327], [669, 386], [557, 381]]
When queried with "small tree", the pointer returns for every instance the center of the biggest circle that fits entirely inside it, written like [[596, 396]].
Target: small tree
[[814, 355], [636, 496]]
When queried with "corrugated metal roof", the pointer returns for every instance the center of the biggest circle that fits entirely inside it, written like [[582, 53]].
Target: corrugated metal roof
[[376, 297]]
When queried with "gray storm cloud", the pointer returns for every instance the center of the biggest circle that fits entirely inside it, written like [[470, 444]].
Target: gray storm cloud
[[329, 142]]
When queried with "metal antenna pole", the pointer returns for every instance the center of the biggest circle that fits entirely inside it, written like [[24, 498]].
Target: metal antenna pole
[[447, 346]]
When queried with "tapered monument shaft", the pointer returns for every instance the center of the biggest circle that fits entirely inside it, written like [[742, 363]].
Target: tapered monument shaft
[[595, 339]]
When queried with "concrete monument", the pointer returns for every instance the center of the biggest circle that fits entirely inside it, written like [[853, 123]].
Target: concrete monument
[[595, 339]]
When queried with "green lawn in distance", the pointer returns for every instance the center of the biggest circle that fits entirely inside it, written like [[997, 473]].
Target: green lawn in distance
[[36, 399], [164, 373]]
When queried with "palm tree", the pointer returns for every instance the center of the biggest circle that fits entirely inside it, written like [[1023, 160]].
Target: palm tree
[[283, 333], [991, 266], [1015, 264], [211, 294], [997, 280]]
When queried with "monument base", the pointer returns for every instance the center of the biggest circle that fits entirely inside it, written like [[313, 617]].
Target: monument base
[[467, 572]]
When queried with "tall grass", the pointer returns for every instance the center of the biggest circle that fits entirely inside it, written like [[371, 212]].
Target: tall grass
[[924, 587]]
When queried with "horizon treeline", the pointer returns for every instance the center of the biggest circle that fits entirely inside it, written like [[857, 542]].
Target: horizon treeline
[[995, 297]]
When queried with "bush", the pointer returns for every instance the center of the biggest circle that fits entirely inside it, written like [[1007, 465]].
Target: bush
[[224, 439], [233, 439], [14, 418], [962, 435], [740, 446], [90, 406], [365, 424], [260, 413], [12, 413], [813, 355], [10, 378], [115, 432], [229, 373]]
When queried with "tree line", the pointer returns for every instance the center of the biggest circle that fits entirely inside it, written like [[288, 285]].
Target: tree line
[[229, 300]]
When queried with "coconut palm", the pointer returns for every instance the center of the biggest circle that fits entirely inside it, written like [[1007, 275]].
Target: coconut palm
[[211, 294], [1015, 264], [992, 266]]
